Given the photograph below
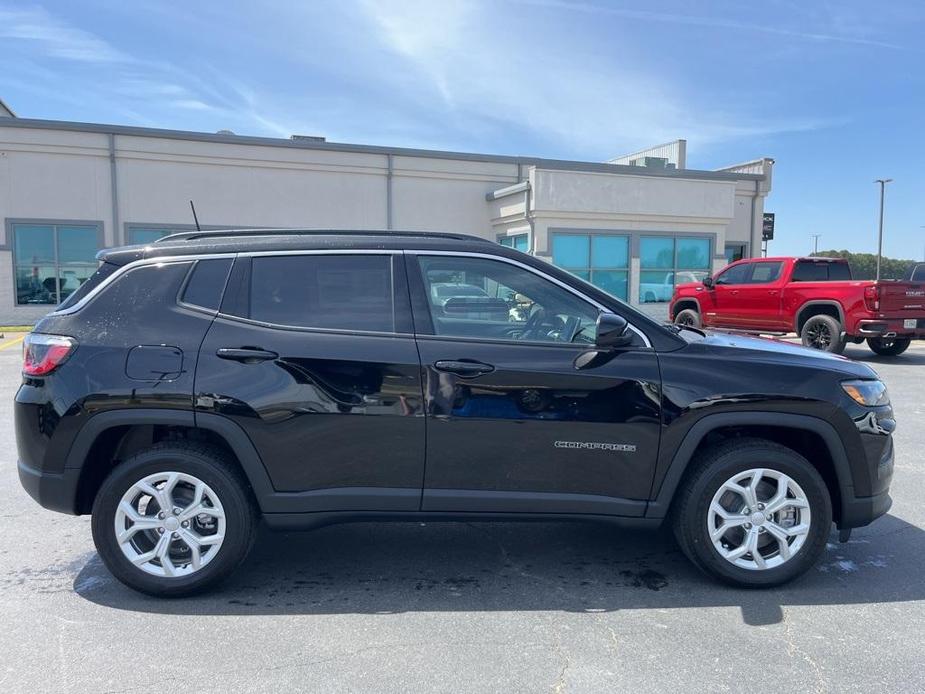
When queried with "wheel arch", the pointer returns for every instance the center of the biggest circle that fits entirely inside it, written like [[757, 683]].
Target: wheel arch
[[814, 307], [801, 433], [109, 436], [685, 303]]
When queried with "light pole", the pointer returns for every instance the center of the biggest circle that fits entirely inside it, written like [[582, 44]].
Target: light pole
[[816, 243], [882, 182]]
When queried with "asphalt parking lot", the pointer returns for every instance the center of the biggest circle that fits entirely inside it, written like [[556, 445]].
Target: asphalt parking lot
[[478, 607]]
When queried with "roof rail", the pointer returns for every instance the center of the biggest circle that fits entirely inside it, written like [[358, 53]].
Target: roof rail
[[220, 233]]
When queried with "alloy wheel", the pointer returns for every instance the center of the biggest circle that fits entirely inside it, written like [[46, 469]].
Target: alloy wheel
[[759, 519], [819, 336], [170, 524]]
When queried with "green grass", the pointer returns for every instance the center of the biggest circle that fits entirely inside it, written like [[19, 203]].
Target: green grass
[[15, 328]]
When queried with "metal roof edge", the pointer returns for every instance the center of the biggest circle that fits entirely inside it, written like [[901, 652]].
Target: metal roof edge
[[557, 164]]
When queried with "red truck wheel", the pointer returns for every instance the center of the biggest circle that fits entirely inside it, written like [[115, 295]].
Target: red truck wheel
[[688, 317], [824, 333], [888, 346]]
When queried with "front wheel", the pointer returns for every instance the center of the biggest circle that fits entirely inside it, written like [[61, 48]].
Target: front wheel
[[174, 519], [824, 333], [888, 346], [753, 513], [688, 317]]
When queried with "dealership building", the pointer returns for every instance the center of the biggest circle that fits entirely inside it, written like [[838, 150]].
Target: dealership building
[[633, 225]]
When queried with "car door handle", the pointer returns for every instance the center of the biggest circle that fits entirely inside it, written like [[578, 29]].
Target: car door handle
[[246, 355], [463, 369]]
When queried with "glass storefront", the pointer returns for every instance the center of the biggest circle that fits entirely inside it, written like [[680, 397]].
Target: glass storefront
[[52, 260], [602, 259], [666, 261]]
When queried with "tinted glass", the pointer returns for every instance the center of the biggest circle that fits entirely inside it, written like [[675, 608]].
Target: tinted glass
[[101, 273], [655, 286], [656, 252], [518, 304], [609, 251], [839, 271], [36, 284], [77, 244], [734, 275], [611, 281], [340, 292], [34, 244], [765, 272], [694, 254], [734, 252], [571, 251], [207, 282], [142, 235], [810, 272]]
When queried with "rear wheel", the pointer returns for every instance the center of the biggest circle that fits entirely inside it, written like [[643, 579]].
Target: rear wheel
[[888, 346], [753, 513], [174, 519], [688, 317], [824, 333]]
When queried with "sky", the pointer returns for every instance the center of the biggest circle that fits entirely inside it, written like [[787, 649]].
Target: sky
[[833, 91]]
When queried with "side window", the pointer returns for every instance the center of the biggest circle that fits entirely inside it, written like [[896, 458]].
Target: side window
[[737, 274], [334, 292], [206, 283], [763, 273], [491, 299]]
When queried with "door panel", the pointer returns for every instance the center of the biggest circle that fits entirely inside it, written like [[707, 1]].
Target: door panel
[[760, 298], [725, 297], [326, 410], [536, 424], [512, 425]]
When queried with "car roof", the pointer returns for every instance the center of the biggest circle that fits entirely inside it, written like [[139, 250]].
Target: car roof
[[251, 240]]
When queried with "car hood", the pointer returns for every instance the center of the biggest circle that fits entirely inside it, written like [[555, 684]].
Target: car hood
[[765, 349]]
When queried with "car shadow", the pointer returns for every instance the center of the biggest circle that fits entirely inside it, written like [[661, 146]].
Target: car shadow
[[387, 568]]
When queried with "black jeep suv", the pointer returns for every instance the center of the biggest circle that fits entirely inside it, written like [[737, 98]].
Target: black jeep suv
[[194, 386]]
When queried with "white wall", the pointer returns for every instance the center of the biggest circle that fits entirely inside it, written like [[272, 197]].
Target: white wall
[[66, 175]]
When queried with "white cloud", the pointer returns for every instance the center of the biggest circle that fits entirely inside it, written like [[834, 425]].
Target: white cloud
[[593, 104], [55, 38]]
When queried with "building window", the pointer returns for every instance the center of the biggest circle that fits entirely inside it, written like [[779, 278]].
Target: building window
[[144, 235], [601, 259], [519, 242], [734, 252], [52, 260], [665, 261]]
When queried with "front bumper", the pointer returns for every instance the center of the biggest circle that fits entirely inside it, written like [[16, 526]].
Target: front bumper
[[892, 327], [54, 491]]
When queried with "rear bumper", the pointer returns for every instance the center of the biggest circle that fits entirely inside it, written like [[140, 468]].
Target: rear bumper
[[54, 491], [891, 327]]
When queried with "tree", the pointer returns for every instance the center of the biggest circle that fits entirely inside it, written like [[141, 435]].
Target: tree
[[864, 265]]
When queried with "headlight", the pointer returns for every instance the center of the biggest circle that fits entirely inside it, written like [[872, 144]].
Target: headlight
[[867, 393]]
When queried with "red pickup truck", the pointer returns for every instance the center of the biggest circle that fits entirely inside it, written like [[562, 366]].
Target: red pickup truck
[[813, 297]]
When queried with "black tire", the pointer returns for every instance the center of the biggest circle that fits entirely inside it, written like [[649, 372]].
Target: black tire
[[888, 346], [207, 464], [688, 317], [710, 471], [824, 333]]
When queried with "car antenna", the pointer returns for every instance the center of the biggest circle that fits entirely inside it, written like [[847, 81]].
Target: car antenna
[[195, 218]]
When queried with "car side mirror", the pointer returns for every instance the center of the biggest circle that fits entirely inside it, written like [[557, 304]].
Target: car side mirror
[[613, 334], [708, 282]]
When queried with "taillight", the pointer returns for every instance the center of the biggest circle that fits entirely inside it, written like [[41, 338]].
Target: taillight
[[42, 354], [872, 297]]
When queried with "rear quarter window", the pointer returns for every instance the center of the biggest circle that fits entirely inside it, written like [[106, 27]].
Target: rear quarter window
[[92, 282], [206, 283]]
